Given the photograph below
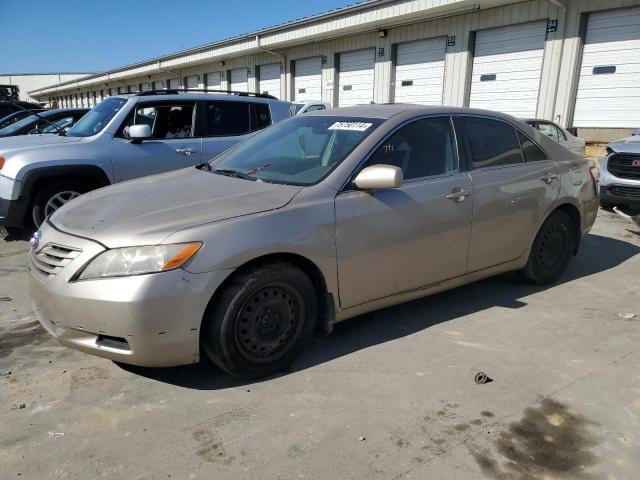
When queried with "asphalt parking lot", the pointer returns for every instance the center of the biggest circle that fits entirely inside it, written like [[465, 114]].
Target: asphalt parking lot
[[389, 395]]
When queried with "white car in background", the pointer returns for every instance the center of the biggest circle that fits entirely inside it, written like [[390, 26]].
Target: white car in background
[[559, 134], [298, 108]]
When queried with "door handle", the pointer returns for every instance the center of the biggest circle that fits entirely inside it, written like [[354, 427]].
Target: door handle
[[186, 150], [548, 177], [458, 194]]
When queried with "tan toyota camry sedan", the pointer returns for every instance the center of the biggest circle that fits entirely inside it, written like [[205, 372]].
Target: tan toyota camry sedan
[[315, 220]]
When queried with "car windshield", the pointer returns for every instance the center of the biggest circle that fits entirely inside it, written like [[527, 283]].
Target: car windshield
[[295, 108], [17, 126], [299, 151], [97, 118]]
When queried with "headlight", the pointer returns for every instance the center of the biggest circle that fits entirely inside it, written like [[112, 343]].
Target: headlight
[[121, 262]]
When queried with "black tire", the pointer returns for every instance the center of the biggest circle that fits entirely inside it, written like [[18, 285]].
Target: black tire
[[551, 250], [259, 322], [49, 191]]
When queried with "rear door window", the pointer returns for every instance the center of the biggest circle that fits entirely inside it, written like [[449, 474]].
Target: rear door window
[[262, 116], [493, 143], [224, 119]]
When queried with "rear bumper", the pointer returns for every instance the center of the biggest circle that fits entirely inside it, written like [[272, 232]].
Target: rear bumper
[[620, 194], [13, 212]]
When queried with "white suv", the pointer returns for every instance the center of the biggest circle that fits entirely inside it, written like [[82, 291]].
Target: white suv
[[620, 174]]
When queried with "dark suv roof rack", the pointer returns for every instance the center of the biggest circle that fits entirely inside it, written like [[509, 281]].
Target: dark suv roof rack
[[175, 91]]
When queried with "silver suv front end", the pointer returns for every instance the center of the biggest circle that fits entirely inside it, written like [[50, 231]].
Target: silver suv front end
[[620, 179]]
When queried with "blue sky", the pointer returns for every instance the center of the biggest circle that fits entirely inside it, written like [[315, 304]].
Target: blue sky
[[94, 35]]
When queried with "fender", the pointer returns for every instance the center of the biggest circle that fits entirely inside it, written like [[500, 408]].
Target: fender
[[93, 171]]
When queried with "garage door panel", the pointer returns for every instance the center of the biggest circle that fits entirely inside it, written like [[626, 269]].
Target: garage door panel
[[610, 100], [507, 67], [308, 78], [419, 72], [356, 71], [270, 79], [214, 80], [239, 80]]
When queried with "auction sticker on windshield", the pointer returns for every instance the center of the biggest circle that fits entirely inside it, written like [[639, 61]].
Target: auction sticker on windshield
[[353, 126]]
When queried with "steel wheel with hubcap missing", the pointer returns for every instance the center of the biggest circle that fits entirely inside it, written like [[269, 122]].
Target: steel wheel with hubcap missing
[[258, 322], [551, 250]]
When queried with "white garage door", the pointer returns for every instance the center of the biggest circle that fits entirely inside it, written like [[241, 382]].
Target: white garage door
[[134, 88], [214, 81], [158, 85], [420, 72], [507, 66], [270, 79], [308, 79], [609, 85], [356, 77], [239, 80], [192, 82], [146, 87]]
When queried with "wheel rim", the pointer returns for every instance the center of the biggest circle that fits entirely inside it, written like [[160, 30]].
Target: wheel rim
[[58, 200], [269, 323], [552, 247]]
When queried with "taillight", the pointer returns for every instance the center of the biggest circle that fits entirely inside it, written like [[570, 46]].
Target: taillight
[[1, 162], [595, 175]]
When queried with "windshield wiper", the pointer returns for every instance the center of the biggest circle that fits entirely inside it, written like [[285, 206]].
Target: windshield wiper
[[232, 173]]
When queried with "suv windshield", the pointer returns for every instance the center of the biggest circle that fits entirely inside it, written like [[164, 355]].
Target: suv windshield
[[299, 151], [97, 118]]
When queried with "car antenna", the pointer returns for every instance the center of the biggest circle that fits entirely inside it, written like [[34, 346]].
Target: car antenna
[[15, 102]]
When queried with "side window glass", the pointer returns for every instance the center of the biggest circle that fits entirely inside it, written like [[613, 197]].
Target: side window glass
[[165, 121], [263, 116], [493, 143], [227, 119], [62, 123], [549, 130], [421, 149], [531, 151], [313, 108]]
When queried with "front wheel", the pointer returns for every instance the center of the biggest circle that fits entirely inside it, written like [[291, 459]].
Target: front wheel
[[259, 322], [53, 196], [551, 251]]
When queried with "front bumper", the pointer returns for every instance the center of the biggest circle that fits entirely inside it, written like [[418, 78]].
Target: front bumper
[[148, 320], [620, 195], [13, 212]]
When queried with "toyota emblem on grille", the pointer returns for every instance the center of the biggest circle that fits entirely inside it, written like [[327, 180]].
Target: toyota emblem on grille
[[35, 240], [636, 163]]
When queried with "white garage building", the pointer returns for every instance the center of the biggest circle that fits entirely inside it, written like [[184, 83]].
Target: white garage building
[[576, 62], [33, 81]]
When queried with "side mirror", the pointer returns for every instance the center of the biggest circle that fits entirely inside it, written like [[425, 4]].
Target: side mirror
[[379, 176], [137, 133]]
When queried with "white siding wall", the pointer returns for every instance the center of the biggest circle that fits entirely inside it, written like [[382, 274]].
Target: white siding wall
[[405, 21]]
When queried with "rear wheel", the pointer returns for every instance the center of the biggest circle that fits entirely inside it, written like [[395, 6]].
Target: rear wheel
[[551, 251], [259, 322], [53, 196]]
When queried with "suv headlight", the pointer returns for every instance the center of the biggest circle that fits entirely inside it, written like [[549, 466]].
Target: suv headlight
[[121, 262]]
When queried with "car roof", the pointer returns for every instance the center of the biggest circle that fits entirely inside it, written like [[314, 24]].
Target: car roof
[[199, 96], [389, 110]]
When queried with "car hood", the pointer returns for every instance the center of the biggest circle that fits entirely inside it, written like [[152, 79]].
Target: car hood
[[30, 141], [147, 210], [626, 145]]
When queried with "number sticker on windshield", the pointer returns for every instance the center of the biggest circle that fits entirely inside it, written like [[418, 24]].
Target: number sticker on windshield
[[353, 126]]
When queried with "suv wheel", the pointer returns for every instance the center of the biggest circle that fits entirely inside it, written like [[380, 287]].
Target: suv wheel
[[259, 322], [551, 251], [53, 196]]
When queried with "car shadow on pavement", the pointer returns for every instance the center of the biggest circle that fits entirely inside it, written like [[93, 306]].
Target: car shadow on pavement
[[597, 254]]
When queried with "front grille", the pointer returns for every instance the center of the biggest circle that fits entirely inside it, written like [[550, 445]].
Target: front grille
[[50, 259], [625, 166], [631, 192]]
